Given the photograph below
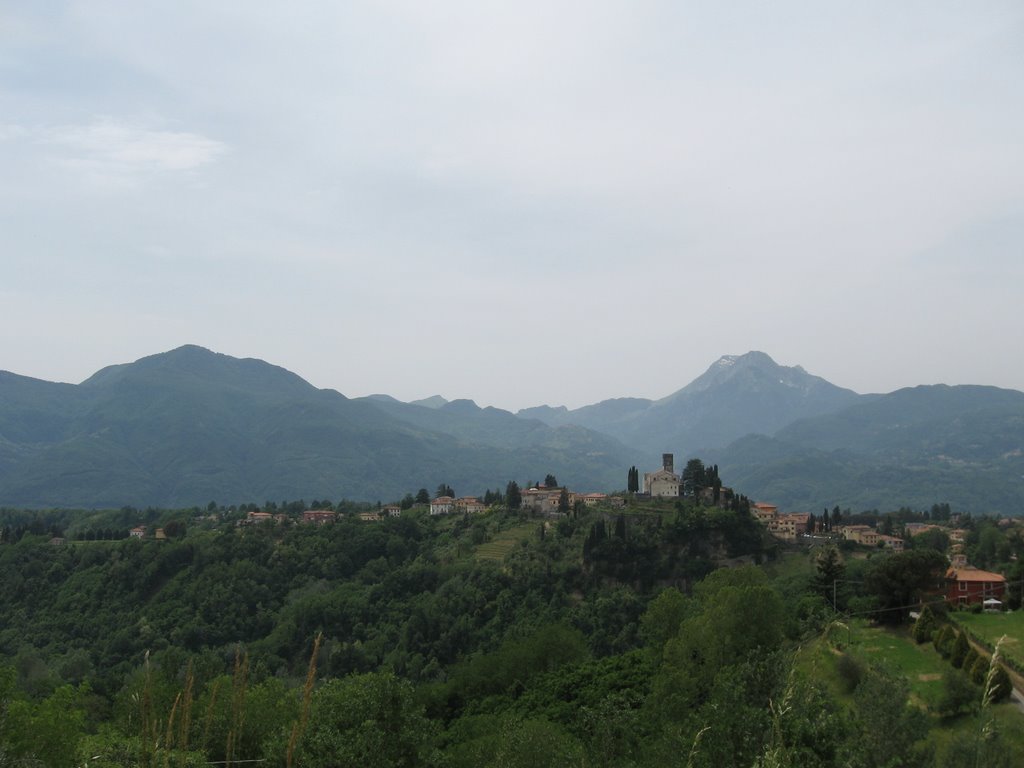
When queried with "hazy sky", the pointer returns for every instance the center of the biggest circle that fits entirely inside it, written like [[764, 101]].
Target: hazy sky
[[519, 202]]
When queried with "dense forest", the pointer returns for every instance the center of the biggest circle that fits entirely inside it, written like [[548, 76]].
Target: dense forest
[[599, 638]]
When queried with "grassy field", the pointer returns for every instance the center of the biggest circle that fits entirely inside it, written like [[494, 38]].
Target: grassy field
[[920, 664], [924, 670], [505, 541], [992, 626]]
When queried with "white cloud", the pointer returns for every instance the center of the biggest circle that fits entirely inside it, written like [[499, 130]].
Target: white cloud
[[121, 150]]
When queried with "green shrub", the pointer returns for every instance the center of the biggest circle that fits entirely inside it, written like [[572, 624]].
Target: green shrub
[[958, 651], [943, 640], [999, 686], [851, 671], [978, 669], [925, 626], [958, 695], [969, 658]]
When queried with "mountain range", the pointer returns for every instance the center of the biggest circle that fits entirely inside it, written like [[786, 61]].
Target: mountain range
[[189, 426]]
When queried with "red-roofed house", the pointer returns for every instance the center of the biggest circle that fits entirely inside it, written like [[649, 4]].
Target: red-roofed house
[[968, 585]]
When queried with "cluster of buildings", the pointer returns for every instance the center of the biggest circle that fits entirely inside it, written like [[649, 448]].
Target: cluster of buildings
[[962, 585], [539, 500], [783, 526], [869, 537], [447, 505], [310, 516]]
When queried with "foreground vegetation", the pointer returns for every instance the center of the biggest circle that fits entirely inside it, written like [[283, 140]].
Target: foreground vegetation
[[597, 639]]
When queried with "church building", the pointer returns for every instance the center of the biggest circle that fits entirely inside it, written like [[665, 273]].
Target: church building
[[664, 482]]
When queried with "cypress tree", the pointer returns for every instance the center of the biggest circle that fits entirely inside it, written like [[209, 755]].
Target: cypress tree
[[925, 626], [999, 686], [969, 660], [958, 652], [979, 669], [943, 640]]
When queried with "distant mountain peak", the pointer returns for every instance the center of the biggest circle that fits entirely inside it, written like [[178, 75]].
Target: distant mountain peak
[[435, 401], [201, 366], [753, 364], [752, 357], [382, 398]]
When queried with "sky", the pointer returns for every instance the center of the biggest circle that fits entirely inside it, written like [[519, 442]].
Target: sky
[[518, 203]]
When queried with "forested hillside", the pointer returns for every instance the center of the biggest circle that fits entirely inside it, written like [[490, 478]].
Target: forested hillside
[[189, 425], [600, 639], [963, 445]]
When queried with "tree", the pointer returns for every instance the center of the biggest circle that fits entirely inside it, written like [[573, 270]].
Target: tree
[[513, 496], [663, 617], [899, 581], [633, 480], [979, 669], [423, 496], [967, 665], [887, 729], [740, 617], [445, 490], [935, 538], [943, 640], [959, 650], [368, 720], [563, 501], [536, 744], [550, 481], [694, 479], [925, 626], [998, 686], [829, 570], [958, 695]]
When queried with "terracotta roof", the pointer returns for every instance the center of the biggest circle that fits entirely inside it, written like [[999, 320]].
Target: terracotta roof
[[973, 574]]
